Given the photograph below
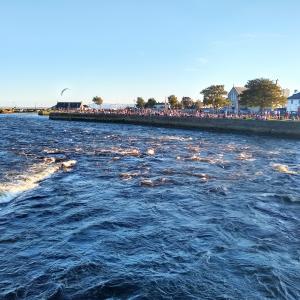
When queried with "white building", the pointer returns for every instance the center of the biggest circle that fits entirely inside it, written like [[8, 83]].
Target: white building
[[235, 94], [293, 104], [234, 97], [160, 106]]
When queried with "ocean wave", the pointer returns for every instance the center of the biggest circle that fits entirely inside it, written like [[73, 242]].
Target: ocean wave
[[209, 160], [283, 169], [129, 175], [31, 179], [154, 182], [193, 148], [68, 164], [288, 197], [150, 151], [202, 176], [195, 158], [220, 190], [53, 151], [174, 138], [245, 156], [115, 151]]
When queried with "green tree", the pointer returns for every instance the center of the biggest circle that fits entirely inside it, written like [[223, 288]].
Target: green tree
[[215, 96], [198, 105], [179, 105], [150, 103], [187, 102], [173, 101], [140, 102], [262, 93], [98, 100]]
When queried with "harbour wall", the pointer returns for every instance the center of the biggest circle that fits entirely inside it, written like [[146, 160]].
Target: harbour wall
[[286, 128]]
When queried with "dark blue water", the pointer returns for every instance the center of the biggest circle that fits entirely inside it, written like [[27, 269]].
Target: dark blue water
[[102, 211]]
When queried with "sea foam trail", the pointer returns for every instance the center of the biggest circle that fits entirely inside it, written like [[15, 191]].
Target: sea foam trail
[[31, 179], [283, 169]]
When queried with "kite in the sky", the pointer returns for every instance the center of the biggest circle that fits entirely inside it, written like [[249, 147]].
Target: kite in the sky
[[61, 93]]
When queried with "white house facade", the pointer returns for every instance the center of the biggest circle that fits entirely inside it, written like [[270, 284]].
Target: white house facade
[[160, 106], [293, 104], [234, 97]]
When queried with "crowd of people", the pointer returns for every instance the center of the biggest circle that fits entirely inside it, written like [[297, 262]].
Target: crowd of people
[[266, 115]]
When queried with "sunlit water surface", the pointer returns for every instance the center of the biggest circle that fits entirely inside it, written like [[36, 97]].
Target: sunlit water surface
[[96, 211]]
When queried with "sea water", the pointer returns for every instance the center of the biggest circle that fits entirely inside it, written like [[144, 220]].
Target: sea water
[[108, 211]]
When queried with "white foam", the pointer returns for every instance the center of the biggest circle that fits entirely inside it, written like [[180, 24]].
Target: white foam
[[130, 152], [195, 158], [193, 148], [175, 138], [283, 169], [120, 151], [259, 173], [69, 164], [245, 156], [52, 151], [147, 182], [10, 190], [30, 179], [150, 151]]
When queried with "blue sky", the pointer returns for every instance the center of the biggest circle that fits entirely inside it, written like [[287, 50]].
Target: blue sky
[[121, 49]]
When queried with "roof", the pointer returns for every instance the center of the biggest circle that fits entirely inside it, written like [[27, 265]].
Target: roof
[[240, 89], [295, 96], [68, 105]]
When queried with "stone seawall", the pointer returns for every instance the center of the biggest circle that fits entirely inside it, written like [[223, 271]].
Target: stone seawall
[[289, 129]]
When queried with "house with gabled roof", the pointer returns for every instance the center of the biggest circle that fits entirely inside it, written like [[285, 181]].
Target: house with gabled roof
[[234, 97], [293, 104], [69, 106]]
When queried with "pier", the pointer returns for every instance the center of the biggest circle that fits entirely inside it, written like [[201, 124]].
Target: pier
[[279, 128]]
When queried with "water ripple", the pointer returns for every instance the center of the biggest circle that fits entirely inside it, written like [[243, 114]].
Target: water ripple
[[107, 211]]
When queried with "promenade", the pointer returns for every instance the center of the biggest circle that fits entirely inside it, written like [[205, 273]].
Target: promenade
[[188, 113], [255, 125]]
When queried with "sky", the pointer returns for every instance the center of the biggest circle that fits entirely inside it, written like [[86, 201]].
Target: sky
[[122, 49]]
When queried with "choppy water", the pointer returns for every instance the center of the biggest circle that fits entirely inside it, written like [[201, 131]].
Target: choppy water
[[97, 211]]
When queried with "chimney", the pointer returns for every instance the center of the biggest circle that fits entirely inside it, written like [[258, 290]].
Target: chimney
[[295, 91]]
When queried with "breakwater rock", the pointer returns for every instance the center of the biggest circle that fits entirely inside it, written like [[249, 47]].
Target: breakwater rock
[[290, 129]]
